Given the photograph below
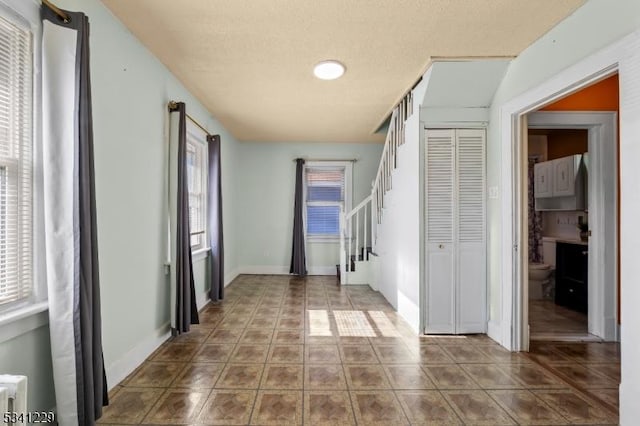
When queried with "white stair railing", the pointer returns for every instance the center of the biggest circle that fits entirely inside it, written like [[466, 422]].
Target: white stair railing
[[369, 211]]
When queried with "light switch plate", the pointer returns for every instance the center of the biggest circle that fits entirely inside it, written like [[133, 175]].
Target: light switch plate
[[493, 192]]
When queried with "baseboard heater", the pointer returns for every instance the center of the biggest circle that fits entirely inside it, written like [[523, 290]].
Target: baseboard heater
[[13, 399]]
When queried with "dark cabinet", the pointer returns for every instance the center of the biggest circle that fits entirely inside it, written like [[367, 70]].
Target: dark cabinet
[[572, 262]]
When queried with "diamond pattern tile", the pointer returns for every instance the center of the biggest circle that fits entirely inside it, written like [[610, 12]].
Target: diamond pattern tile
[[277, 408], [328, 408], [377, 408], [177, 407], [282, 350]]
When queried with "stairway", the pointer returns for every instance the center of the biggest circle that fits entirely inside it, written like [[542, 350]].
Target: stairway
[[359, 227]]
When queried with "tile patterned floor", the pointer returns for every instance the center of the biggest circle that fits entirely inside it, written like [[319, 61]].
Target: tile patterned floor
[[286, 351]]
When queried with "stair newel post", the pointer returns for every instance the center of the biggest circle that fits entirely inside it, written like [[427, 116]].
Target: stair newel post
[[349, 221], [343, 269], [357, 235], [365, 254]]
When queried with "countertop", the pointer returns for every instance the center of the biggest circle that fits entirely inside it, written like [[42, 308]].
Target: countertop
[[570, 241]]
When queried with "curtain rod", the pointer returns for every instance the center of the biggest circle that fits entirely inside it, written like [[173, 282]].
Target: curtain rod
[[173, 105], [62, 15], [352, 160]]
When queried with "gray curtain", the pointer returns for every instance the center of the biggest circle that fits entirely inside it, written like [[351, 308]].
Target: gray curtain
[[186, 308], [535, 218], [214, 209], [69, 174], [298, 257]]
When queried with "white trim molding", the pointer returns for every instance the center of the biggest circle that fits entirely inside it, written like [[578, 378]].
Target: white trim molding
[[574, 78], [22, 320], [622, 56], [603, 212], [284, 270], [494, 330], [228, 278], [127, 363]]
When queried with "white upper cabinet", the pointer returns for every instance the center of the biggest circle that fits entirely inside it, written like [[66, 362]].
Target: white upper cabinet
[[557, 178], [560, 184], [564, 179], [543, 185]]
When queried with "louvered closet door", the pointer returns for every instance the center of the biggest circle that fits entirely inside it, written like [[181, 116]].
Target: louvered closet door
[[470, 247], [439, 204]]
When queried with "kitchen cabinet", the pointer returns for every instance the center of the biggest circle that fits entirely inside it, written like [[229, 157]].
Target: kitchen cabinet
[[560, 184], [564, 178], [543, 185], [572, 262]]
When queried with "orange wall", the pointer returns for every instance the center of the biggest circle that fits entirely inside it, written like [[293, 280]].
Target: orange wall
[[602, 96], [562, 143]]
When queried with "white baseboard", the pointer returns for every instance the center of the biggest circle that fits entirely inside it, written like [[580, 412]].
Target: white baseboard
[[284, 270], [264, 270], [410, 312], [228, 278], [629, 407], [494, 331], [202, 299], [611, 330], [322, 270], [122, 367]]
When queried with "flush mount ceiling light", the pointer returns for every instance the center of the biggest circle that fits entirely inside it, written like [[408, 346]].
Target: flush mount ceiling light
[[328, 70]]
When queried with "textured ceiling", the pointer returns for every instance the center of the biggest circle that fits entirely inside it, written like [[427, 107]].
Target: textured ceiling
[[250, 61]]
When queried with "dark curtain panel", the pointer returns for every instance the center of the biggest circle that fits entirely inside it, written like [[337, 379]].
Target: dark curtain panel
[[186, 309], [91, 383], [298, 257], [216, 262], [535, 218]]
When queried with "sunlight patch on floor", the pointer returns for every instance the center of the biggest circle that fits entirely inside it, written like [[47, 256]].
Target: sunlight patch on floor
[[384, 325], [319, 324], [353, 323]]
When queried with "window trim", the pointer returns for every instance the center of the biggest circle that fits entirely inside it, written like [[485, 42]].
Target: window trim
[[195, 135], [348, 196], [22, 316]]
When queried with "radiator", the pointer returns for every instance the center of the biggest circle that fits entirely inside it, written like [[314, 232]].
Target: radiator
[[13, 397]]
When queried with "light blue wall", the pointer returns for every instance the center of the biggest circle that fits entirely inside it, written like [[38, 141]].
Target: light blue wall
[[131, 89], [265, 205], [29, 354]]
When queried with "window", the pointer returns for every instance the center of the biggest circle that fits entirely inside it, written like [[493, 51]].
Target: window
[[16, 140], [327, 190], [197, 182]]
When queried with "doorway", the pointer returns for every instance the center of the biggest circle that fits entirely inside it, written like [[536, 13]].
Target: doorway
[[571, 284], [603, 178]]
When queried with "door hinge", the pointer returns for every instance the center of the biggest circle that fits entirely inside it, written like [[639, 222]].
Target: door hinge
[[515, 247]]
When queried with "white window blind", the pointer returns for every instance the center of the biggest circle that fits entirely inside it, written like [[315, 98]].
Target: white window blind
[[16, 193], [197, 182], [325, 197]]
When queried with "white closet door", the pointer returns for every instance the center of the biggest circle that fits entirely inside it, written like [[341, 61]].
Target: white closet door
[[470, 255], [439, 205]]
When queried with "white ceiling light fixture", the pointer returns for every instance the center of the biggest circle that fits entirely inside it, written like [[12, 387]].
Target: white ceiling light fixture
[[328, 70]]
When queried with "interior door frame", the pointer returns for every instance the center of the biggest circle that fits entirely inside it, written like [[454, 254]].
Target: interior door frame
[[602, 196], [511, 332]]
